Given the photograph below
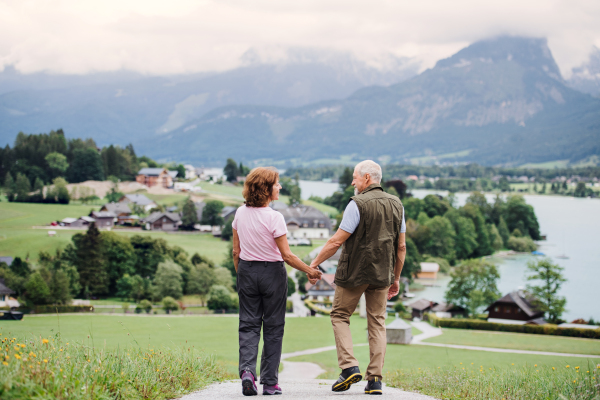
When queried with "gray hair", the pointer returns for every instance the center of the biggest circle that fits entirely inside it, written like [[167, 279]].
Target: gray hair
[[371, 168]]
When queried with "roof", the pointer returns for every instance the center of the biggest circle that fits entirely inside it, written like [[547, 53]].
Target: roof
[[446, 307], [304, 216], [155, 216], [325, 284], [7, 260], [522, 299], [422, 304], [156, 172], [430, 267], [228, 211], [117, 208], [138, 199], [69, 220], [398, 323], [4, 289], [88, 219], [103, 214]]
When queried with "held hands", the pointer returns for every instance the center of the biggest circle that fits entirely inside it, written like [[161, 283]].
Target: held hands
[[393, 290], [314, 275]]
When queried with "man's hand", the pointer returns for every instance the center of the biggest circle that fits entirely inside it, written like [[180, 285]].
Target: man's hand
[[394, 289], [314, 275]]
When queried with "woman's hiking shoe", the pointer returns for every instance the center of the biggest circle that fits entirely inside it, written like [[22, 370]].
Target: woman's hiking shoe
[[248, 384], [373, 387], [347, 378], [269, 390]]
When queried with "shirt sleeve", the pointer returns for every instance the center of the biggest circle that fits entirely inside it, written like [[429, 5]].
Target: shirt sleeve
[[403, 226], [351, 217], [279, 226]]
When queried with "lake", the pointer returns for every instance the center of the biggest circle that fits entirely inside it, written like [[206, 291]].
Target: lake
[[572, 226]]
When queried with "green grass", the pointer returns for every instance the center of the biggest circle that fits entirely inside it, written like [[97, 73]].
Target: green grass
[[51, 367], [577, 382], [518, 341]]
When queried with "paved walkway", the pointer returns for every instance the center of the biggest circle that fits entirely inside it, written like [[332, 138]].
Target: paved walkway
[[430, 331]]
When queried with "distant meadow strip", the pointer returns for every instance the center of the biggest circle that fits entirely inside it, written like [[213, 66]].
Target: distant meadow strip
[[51, 368]]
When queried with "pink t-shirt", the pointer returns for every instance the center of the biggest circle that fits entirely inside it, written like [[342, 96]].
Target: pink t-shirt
[[257, 228]]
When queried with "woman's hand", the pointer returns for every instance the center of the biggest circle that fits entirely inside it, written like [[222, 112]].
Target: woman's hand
[[314, 275]]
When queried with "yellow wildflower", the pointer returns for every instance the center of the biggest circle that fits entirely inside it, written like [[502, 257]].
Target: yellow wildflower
[[535, 365], [4, 362], [45, 360], [7, 356], [44, 341], [568, 366], [22, 345], [18, 357], [553, 368]]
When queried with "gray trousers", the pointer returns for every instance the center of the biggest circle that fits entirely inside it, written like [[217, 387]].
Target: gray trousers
[[262, 288]]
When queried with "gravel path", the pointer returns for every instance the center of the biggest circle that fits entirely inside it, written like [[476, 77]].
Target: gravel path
[[306, 389]]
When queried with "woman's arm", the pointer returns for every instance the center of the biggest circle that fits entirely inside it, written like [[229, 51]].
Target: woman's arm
[[292, 260], [236, 249]]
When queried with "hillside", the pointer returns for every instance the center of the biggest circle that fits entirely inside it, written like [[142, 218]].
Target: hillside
[[497, 101], [123, 107]]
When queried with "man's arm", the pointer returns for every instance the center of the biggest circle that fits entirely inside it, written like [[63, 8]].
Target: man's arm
[[401, 255], [236, 249], [294, 261], [332, 245]]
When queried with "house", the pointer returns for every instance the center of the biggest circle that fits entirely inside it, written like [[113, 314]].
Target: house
[[156, 176], [448, 310], [190, 171], [82, 222], [304, 221], [228, 212], [515, 308], [210, 174], [429, 270], [139, 200], [119, 209], [5, 300], [324, 289], [104, 219], [162, 221], [420, 307], [128, 219]]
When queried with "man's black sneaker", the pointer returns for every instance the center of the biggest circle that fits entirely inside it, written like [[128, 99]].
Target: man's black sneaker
[[373, 386], [347, 378]]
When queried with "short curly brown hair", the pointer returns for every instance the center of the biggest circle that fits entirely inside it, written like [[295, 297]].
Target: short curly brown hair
[[259, 186]]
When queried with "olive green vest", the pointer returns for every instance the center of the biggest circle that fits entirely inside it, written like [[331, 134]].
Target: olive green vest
[[369, 254]]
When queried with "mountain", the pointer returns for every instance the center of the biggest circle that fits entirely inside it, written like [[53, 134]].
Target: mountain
[[586, 78], [498, 101], [122, 107]]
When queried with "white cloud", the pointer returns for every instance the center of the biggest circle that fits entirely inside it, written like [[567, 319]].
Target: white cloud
[[159, 37]]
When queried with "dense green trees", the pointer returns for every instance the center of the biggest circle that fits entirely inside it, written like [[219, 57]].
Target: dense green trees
[[189, 217], [547, 279], [473, 285], [211, 213]]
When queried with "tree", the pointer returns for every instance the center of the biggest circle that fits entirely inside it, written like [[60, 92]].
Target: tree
[[346, 178], [211, 214], [86, 165], [63, 280], [521, 215], [484, 247], [169, 304], [197, 259], [442, 242], [291, 286], [149, 253], [433, 205], [20, 267], [59, 287], [36, 289], [58, 163], [168, 280], [231, 170], [220, 298], [119, 256], [412, 261], [113, 194], [22, 187], [412, 207], [223, 277], [522, 244], [549, 278], [503, 184], [180, 171], [466, 237], [124, 287], [399, 186], [503, 231], [189, 216], [227, 232], [201, 279], [495, 238], [9, 187], [473, 285], [295, 196], [302, 280], [38, 191], [478, 199], [87, 255], [146, 306], [392, 190], [62, 193], [580, 190]]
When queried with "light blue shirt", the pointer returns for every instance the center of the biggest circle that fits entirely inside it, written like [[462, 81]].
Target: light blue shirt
[[352, 218]]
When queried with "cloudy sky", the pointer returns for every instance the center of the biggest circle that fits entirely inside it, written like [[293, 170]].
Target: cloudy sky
[[179, 36]]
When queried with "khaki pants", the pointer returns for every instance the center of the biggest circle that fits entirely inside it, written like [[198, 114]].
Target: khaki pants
[[344, 304]]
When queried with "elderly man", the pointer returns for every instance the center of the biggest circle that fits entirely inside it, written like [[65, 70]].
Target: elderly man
[[372, 231]]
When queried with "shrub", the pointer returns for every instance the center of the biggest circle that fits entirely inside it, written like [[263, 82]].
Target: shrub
[[399, 307], [220, 298], [522, 244], [169, 304], [145, 305], [547, 329]]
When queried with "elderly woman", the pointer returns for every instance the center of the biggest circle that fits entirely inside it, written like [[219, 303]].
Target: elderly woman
[[260, 248]]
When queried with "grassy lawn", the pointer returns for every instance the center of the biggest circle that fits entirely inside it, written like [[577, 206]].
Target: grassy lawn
[[518, 341]]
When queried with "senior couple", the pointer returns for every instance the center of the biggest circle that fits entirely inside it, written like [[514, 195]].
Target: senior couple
[[372, 232]]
